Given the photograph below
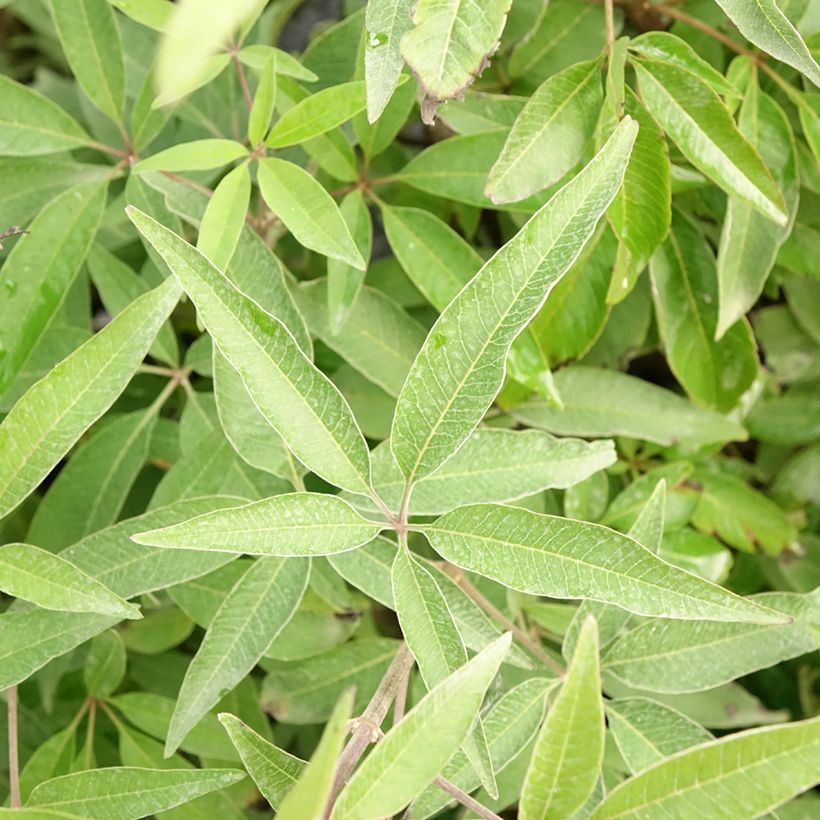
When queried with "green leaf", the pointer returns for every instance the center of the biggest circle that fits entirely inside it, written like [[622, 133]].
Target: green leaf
[[263, 101], [765, 25], [678, 656], [428, 736], [562, 558], [31, 124], [251, 616], [298, 524], [309, 794], [55, 412], [449, 45], [307, 210], [646, 732], [155, 14], [105, 664], [601, 403], [91, 42], [255, 56], [460, 368], [344, 281], [272, 770], [379, 338], [199, 155], [701, 126], [494, 465], [317, 114], [550, 134], [224, 217], [51, 582], [385, 23], [685, 288], [569, 750], [431, 634], [40, 270], [749, 773], [749, 242], [125, 793], [297, 400]]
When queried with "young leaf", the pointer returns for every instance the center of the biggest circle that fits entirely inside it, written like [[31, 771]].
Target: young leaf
[[765, 25], [431, 634], [297, 400], [251, 616], [460, 368], [40, 270], [646, 732], [91, 42], [569, 750], [747, 774], [549, 135], [428, 735], [562, 558], [316, 114], [31, 124], [273, 771], [105, 664], [309, 794], [263, 101], [449, 46], [385, 23], [199, 155], [701, 126], [307, 210], [47, 421], [224, 217], [124, 793], [51, 582]]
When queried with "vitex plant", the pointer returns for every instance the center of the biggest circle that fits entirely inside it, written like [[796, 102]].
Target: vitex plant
[[410, 409]]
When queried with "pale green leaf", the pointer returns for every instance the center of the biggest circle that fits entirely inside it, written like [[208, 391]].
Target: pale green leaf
[[154, 14], [256, 56], [449, 45], [272, 770], [105, 664], [57, 410], [125, 793], [316, 114], [224, 217], [51, 582], [91, 42], [254, 612], [428, 736], [569, 750], [307, 211], [701, 126], [309, 794], [562, 558], [263, 101], [550, 134], [460, 368], [297, 524], [40, 270], [743, 775], [199, 155], [298, 401], [31, 124]]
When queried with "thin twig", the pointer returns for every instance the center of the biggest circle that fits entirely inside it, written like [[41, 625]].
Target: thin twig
[[14, 759], [243, 83], [609, 18], [367, 726], [401, 696], [461, 579], [716, 34], [465, 799]]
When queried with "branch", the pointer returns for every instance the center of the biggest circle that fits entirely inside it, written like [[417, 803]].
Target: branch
[[465, 799], [609, 17]]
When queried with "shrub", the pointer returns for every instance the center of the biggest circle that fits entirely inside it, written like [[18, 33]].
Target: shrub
[[424, 415]]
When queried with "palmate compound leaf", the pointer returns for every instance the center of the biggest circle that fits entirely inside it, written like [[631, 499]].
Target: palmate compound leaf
[[299, 402], [568, 752], [253, 613], [562, 558], [53, 414], [126, 793], [460, 368], [417, 748], [52, 582], [744, 775], [295, 524], [449, 45]]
